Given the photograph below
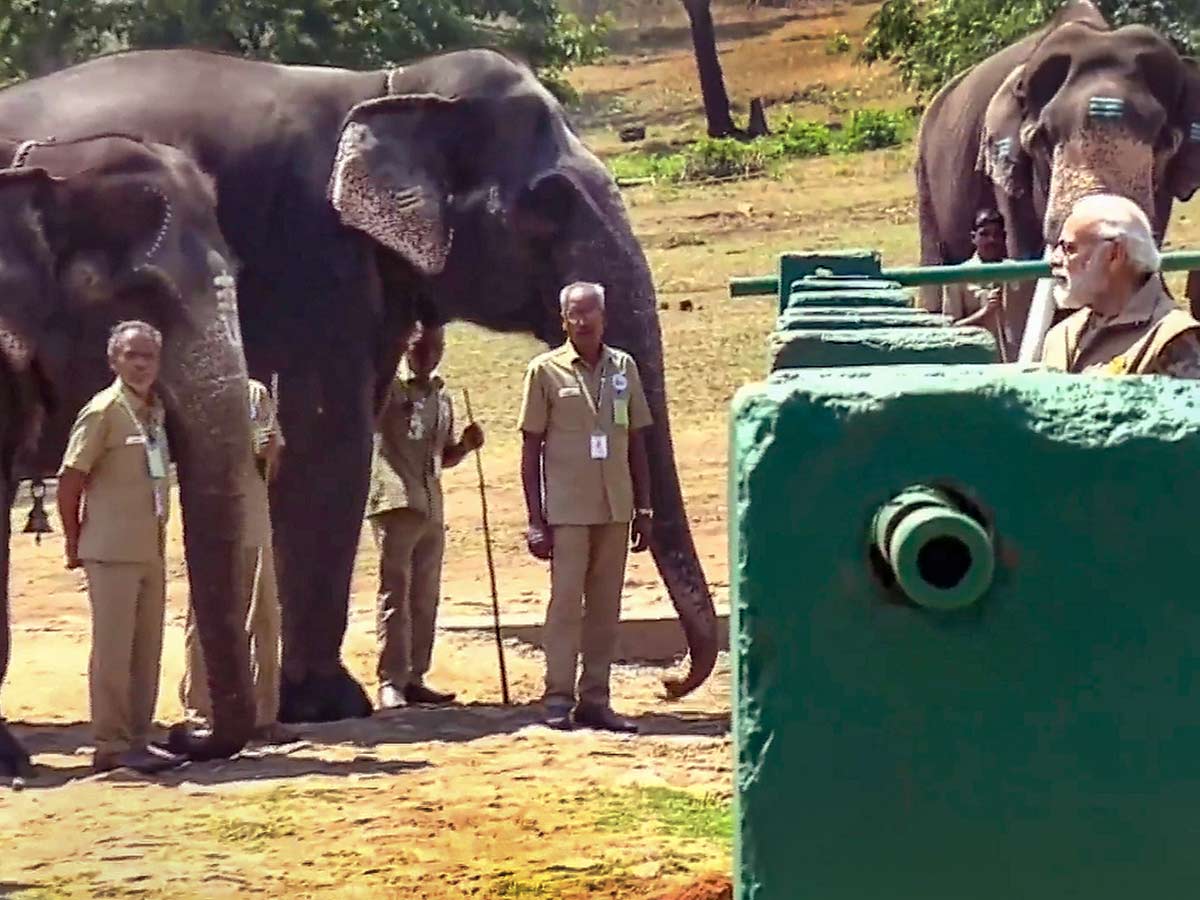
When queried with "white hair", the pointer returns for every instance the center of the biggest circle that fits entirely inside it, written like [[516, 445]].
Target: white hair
[[1118, 218], [565, 294], [122, 328]]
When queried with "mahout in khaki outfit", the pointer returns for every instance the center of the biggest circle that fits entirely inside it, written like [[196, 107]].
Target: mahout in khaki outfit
[[582, 418], [260, 594], [983, 304], [1106, 267], [113, 498], [414, 441]]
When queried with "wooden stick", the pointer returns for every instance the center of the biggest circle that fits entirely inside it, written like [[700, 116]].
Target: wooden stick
[[487, 544]]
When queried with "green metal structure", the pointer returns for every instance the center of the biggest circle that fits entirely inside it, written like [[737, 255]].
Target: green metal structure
[[794, 266], [1018, 715]]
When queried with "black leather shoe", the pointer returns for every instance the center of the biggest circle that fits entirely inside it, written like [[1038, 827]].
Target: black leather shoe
[[420, 695], [603, 719], [390, 697], [148, 760], [557, 717]]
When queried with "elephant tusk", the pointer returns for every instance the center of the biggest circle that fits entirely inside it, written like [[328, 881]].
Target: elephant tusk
[[1041, 315]]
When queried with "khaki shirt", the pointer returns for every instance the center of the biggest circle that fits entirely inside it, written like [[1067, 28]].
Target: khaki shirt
[[560, 403], [264, 422], [120, 523], [962, 300], [414, 431], [1150, 336]]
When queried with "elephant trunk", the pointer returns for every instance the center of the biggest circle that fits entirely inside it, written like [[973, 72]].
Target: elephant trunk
[[1100, 162], [1092, 162], [633, 326], [205, 380]]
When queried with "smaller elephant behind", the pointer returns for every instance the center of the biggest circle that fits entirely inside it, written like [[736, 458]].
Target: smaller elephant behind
[[1077, 108], [93, 231]]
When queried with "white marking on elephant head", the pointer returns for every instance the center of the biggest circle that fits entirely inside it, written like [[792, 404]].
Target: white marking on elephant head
[[225, 286]]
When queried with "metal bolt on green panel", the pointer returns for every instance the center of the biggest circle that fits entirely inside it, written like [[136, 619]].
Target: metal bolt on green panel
[[1039, 741]]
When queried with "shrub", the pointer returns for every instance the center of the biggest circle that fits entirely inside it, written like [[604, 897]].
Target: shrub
[[872, 129], [723, 158], [803, 139], [837, 44]]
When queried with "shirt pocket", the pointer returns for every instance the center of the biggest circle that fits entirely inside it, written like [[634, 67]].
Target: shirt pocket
[[569, 409]]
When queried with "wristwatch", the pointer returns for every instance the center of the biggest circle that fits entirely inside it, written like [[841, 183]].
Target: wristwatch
[[643, 514]]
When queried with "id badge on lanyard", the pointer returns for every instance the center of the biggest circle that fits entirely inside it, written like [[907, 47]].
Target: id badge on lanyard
[[153, 439], [598, 440]]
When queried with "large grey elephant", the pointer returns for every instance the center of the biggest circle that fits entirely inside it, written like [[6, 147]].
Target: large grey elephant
[[92, 232], [1073, 109], [357, 202]]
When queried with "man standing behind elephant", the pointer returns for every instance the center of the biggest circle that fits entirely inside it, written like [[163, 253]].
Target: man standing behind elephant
[[582, 420], [1106, 266], [259, 606], [982, 305], [413, 443], [117, 459]]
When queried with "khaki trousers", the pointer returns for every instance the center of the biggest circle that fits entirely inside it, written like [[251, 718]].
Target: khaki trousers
[[260, 612], [587, 573], [410, 586], [127, 602]]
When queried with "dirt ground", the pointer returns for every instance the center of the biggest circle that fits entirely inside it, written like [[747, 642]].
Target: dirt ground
[[478, 800]]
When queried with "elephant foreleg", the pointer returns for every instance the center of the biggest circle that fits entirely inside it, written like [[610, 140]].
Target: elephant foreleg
[[14, 761], [317, 506], [929, 297]]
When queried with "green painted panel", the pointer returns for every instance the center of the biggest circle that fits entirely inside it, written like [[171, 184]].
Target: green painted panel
[[837, 318], [850, 298], [853, 263], [880, 346], [843, 283], [1043, 742]]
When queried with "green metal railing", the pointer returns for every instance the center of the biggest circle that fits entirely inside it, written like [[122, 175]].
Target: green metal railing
[[915, 276]]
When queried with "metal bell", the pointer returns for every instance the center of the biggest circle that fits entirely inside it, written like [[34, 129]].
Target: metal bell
[[38, 522]]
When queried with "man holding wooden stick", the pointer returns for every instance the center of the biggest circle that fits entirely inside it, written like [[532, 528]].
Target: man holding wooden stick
[[414, 441]]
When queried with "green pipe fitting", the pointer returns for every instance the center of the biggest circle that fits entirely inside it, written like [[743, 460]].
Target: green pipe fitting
[[914, 276], [942, 558]]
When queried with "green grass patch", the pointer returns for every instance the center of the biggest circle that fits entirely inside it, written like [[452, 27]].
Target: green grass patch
[[725, 158], [669, 811]]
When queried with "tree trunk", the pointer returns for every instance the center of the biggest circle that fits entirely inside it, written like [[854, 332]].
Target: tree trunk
[[708, 64]]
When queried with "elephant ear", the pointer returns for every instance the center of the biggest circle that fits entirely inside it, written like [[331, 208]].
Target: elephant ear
[[1183, 172], [23, 194], [95, 264], [1003, 154], [395, 170]]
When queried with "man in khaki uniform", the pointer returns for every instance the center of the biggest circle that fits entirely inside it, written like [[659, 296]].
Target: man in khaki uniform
[[982, 305], [414, 441], [1106, 266], [116, 463], [260, 596], [582, 418]]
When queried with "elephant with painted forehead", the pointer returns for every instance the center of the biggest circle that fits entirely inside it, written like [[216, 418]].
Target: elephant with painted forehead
[[1076, 108], [357, 203], [92, 232]]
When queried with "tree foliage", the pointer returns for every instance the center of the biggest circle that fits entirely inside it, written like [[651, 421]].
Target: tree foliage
[[930, 41], [39, 36]]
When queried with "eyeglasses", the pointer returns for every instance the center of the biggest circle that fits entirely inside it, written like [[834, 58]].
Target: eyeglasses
[[1070, 248]]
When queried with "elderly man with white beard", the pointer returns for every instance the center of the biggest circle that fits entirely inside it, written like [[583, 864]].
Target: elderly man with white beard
[[1106, 266]]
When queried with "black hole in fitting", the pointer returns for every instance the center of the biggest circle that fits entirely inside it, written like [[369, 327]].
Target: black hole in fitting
[[944, 562]]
